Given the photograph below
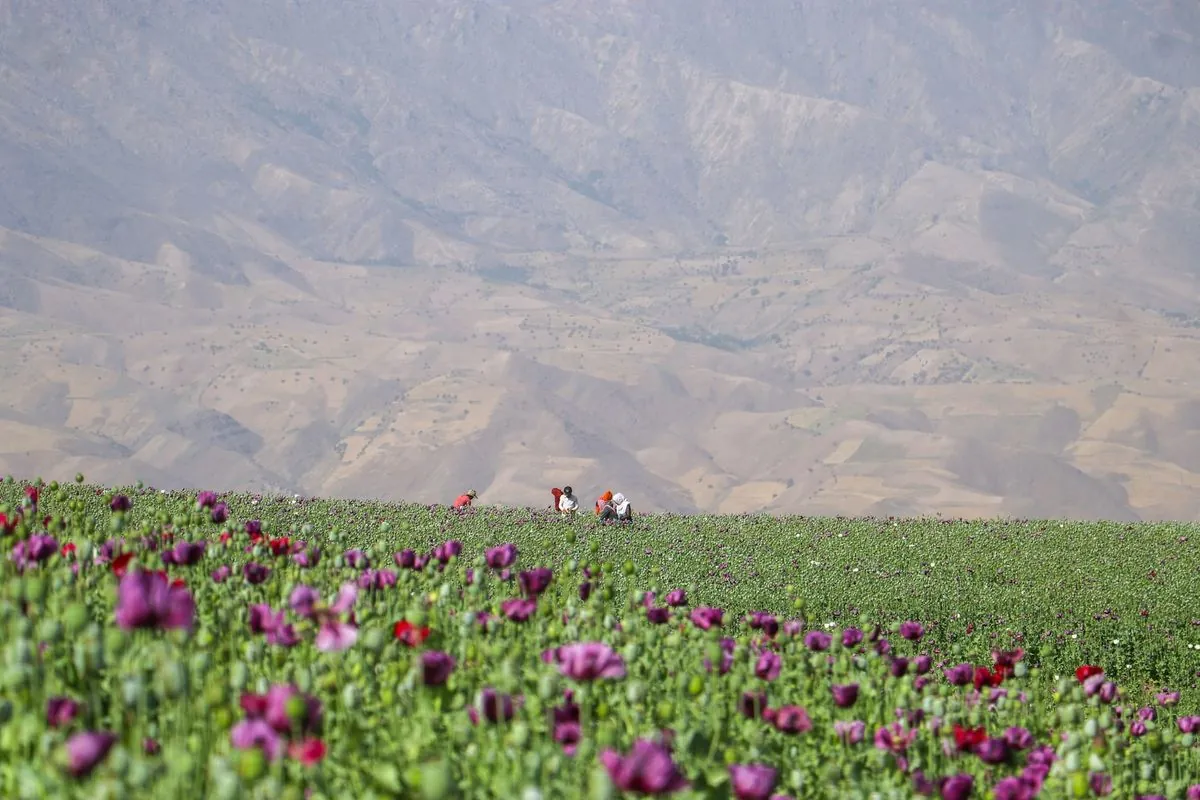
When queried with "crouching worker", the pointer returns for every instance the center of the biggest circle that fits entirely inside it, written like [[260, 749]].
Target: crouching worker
[[464, 500], [568, 504], [604, 506], [622, 509]]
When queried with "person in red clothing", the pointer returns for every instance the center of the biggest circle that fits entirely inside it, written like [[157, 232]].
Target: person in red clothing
[[604, 504], [464, 500]]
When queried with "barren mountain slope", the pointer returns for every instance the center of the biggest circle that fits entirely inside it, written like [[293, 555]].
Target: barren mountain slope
[[863, 257]]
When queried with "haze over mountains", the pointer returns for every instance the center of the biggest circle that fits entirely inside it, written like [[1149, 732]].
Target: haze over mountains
[[864, 257]]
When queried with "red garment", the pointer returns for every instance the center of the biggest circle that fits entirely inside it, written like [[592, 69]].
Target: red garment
[[463, 501], [557, 494]]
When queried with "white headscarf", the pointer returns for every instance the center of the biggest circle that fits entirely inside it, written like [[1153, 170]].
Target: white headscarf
[[620, 503]]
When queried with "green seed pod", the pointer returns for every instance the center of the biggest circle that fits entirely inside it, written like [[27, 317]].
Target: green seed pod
[[239, 676], [695, 685], [350, 696], [435, 780], [133, 691], [252, 764], [600, 786], [176, 680]]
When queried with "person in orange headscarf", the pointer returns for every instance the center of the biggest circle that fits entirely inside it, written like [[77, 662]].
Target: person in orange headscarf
[[604, 504]]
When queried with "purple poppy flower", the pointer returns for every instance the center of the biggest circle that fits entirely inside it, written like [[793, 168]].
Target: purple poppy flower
[[568, 734], [586, 661], [206, 499], [883, 646], [911, 630], [535, 581], [851, 637], [308, 557], [219, 513], [34, 550], [1100, 784], [253, 527], [898, 667], [256, 733], [1108, 692], [585, 590], [501, 557], [752, 704], [705, 617], [150, 747], [925, 787], [647, 770], [282, 634], [993, 750], [448, 550], [493, 707], [1011, 788], [405, 559], [793, 627], [1189, 724], [921, 664], [436, 667], [791, 719], [817, 640], [303, 600], [61, 711], [261, 618], [1044, 755], [1146, 712], [120, 503], [768, 666], [761, 620], [376, 579], [254, 573], [184, 554], [894, 738], [336, 634], [850, 732], [658, 616], [1167, 698], [676, 597], [221, 573], [958, 787], [844, 695], [518, 609], [87, 749], [148, 600], [1018, 738], [1033, 776], [752, 781], [960, 675], [1193, 792], [355, 559], [1137, 729]]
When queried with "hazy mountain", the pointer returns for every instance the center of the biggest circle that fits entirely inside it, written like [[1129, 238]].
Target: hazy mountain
[[862, 257]]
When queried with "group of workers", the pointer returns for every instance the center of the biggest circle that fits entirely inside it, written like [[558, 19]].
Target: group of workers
[[609, 507]]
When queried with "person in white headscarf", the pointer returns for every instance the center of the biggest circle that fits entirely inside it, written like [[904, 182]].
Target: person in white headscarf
[[622, 507]]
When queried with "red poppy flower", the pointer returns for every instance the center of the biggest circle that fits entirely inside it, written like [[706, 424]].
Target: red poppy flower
[[32, 493], [409, 634], [967, 738], [225, 537], [67, 549], [279, 547], [120, 564], [1087, 671], [307, 752], [986, 677]]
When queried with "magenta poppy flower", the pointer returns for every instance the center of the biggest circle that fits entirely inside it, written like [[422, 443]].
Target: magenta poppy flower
[[254, 573], [588, 661], [219, 513], [256, 733], [334, 633], [1189, 724], [1100, 784], [648, 769], [817, 640], [568, 734], [911, 630], [518, 609], [706, 617], [1193, 792], [898, 667], [791, 719], [1137, 729], [61, 711], [1108, 692], [958, 787], [260, 617], [448, 550], [658, 616], [120, 503], [148, 600], [150, 747], [793, 627], [676, 597], [355, 559], [535, 581], [752, 781], [894, 738], [253, 527], [921, 664], [376, 579], [303, 600], [405, 559], [761, 620], [87, 749], [727, 646], [1018, 738], [1167, 698], [493, 707], [34, 550], [206, 499], [851, 732], [960, 675], [436, 667], [993, 750], [307, 558], [1144, 713], [501, 557], [752, 704], [184, 554], [851, 637], [844, 695], [768, 666], [221, 573]]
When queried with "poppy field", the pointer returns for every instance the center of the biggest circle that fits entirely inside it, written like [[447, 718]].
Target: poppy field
[[162, 644]]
